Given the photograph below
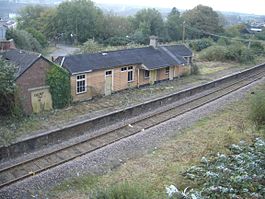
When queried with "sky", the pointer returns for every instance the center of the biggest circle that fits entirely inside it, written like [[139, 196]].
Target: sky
[[243, 6]]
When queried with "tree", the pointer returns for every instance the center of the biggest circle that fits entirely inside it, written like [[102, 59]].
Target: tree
[[91, 46], [115, 26], [7, 87], [23, 40], [48, 23], [235, 30], [174, 25], [30, 17], [148, 22], [202, 18], [38, 36], [78, 19]]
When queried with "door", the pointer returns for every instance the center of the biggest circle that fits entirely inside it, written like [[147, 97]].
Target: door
[[171, 72], [41, 99], [108, 82]]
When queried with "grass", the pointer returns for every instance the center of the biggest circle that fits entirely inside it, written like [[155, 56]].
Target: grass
[[163, 166]]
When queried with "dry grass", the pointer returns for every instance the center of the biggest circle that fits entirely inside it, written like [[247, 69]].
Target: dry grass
[[163, 166]]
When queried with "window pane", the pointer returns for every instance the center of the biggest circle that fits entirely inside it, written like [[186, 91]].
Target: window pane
[[146, 73], [109, 72]]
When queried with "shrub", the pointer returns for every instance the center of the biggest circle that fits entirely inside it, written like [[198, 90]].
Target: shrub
[[260, 35], [91, 46], [59, 81], [257, 109], [122, 191], [223, 42], [38, 36], [258, 48], [8, 102], [240, 53], [214, 53], [201, 44], [24, 40], [240, 174], [194, 69], [117, 41]]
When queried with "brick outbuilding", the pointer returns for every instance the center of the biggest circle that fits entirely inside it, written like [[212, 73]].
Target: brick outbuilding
[[107, 72], [33, 92]]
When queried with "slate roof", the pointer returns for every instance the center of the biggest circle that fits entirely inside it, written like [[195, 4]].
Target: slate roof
[[20, 58], [152, 58]]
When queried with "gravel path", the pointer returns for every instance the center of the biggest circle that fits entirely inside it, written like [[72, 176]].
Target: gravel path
[[108, 158]]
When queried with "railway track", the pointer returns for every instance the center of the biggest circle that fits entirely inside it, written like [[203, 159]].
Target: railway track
[[41, 163]]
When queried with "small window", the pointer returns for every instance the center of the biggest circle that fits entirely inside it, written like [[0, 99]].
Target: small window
[[80, 84], [124, 69], [108, 73], [167, 70], [130, 68], [146, 74]]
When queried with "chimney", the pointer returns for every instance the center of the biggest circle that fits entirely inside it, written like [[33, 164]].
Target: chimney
[[153, 41]]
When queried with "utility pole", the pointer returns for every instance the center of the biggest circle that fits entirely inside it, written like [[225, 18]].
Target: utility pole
[[183, 32], [249, 43]]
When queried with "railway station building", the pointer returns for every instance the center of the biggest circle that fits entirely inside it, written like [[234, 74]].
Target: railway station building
[[107, 72]]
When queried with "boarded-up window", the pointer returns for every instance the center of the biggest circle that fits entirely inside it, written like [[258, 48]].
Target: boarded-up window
[[146, 74]]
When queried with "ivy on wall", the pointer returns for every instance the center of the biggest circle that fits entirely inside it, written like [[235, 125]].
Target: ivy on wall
[[59, 81]]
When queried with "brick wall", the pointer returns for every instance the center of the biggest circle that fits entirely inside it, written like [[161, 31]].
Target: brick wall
[[120, 81], [142, 79], [161, 74], [33, 77]]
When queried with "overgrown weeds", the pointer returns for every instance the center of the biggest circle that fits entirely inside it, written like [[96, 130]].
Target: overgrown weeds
[[257, 109]]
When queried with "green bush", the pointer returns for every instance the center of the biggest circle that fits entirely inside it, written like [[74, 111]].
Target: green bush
[[214, 53], [258, 48], [240, 174], [24, 40], [201, 44], [121, 191], [91, 46], [260, 35], [117, 41], [39, 36], [223, 42], [257, 109], [239, 53], [8, 103], [59, 81], [194, 69]]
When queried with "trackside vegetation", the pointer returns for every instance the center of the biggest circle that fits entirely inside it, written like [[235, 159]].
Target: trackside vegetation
[[8, 102], [222, 156], [59, 81]]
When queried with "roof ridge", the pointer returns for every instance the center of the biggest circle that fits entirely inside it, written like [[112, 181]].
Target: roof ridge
[[111, 51]]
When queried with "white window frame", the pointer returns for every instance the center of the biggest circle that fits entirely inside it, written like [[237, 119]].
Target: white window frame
[[80, 80], [167, 69], [123, 69], [130, 70], [107, 75], [146, 77]]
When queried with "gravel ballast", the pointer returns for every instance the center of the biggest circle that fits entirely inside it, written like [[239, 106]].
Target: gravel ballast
[[109, 157]]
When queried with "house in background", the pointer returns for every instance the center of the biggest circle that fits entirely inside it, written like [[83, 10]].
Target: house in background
[[3, 29], [33, 92], [107, 72]]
